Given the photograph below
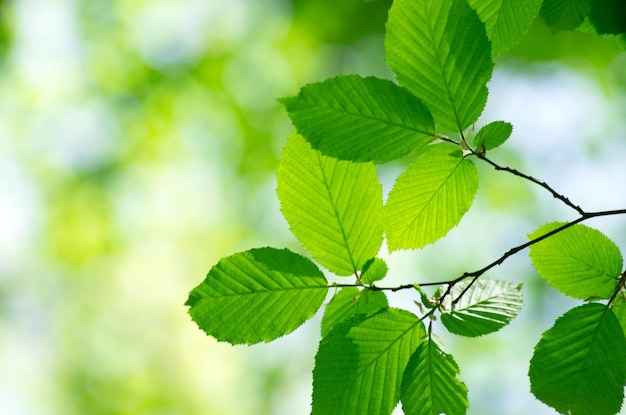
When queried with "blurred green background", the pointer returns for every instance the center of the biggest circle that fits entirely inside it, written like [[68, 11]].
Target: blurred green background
[[138, 143]]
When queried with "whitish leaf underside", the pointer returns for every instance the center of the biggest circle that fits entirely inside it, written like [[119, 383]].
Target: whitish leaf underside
[[484, 308]]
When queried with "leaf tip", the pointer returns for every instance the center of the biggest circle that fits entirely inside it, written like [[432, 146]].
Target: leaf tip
[[286, 101]]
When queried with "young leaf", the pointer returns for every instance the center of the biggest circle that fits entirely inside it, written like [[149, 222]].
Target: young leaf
[[359, 365], [493, 135], [565, 14], [486, 306], [429, 198], [257, 295], [506, 21], [579, 365], [430, 385], [439, 50], [427, 302], [333, 207], [361, 119], [375, 269], [350, 302], [580, 261]]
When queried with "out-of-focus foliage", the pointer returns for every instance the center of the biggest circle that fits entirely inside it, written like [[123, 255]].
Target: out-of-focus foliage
[[339, 21], [134, 139]]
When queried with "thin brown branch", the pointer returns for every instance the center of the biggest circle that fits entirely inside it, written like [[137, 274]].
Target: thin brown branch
[[478, 273], [543, 184], [618, 288]]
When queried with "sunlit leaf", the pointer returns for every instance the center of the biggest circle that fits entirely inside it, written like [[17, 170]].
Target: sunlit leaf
[[374, 269], [506, 21], [350, 302], [333, 207], [361, 119], [257, 295], [579, 365], [430, 385], [439, 50], [565, 14], [493, 135], [359, 365], [580, 261], [429, 198], [485, 307]]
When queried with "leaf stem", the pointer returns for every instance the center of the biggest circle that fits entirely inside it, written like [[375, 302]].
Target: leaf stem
[[618, 288], [543, 184], [448, 139], [478, 273]]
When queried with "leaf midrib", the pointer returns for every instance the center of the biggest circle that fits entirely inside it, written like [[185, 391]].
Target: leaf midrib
[[273, 290], [439, 60], [373, 361], [369, 117], [586, 359], [428, 202], [344, 236]]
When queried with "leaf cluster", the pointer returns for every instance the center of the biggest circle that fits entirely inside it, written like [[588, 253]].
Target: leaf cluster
[[372, 356]]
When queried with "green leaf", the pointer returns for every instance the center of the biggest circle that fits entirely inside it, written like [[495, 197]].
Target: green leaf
[[506, 21], [430, 385], [350, 302], [565, 14], [428, 302], [620, 313], [257, 296], [618, 41], [439, 50], [493, 135], [485, 307], [374, 270], [333, 207], [580, 261], [608, 16], [359, 365], [361, 119], [579, 365], [429, 198]]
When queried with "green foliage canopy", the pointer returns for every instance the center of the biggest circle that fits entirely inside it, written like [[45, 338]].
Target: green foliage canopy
[[372, 356]]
